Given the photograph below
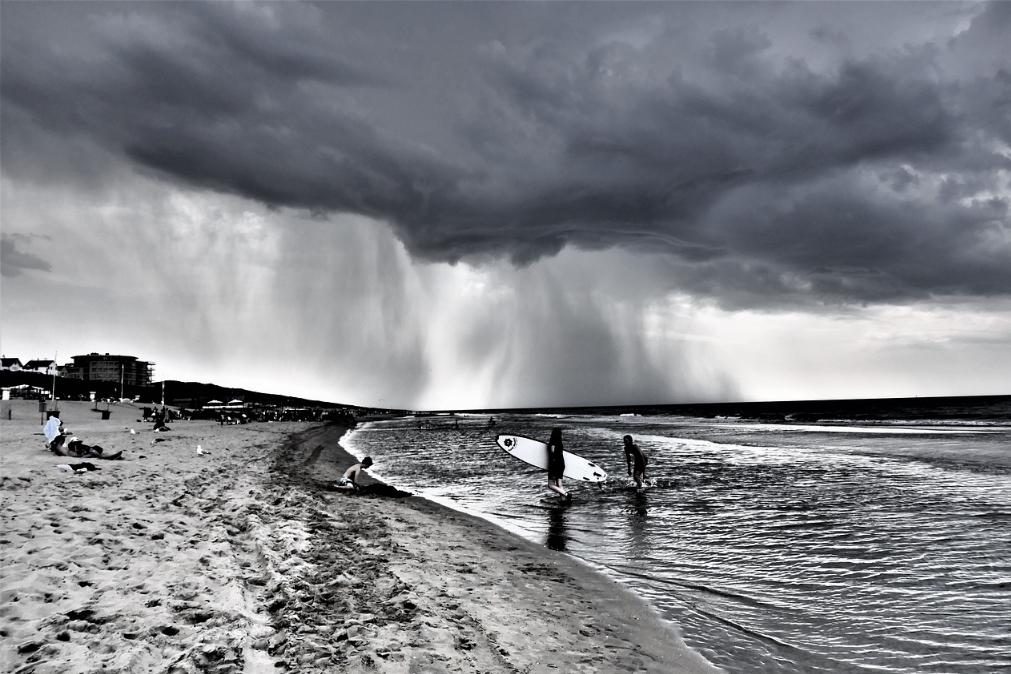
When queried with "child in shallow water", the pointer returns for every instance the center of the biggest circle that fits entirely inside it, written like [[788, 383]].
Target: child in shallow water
[[636, 462], [350, 478]]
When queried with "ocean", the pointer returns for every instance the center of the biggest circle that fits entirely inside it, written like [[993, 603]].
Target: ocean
[[837, 546]]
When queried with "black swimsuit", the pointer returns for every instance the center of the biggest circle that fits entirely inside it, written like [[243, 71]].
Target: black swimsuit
[[556, 461]]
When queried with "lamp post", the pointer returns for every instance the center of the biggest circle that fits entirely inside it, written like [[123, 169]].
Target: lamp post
[[56, 356]]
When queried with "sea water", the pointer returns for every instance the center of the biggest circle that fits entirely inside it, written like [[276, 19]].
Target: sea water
[[830, 547]]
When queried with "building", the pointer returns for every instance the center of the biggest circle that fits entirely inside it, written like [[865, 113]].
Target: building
[[43, 366], [12, 364], [124, 370]]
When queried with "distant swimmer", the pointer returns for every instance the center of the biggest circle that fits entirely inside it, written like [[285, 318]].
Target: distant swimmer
[[350, 478], [556, 464], [636, 462]]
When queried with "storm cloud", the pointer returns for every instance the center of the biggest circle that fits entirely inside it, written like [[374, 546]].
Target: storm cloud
[[769, 154]]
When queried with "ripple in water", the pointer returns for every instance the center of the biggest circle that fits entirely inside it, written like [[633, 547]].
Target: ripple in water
[[778, 549]]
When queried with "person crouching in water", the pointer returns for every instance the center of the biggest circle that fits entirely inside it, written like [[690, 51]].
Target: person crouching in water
[[350, 478], [636, 462], [556, 465]]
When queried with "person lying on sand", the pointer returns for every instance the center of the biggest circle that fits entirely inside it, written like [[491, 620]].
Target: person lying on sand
[[76, 448], [350, 478]]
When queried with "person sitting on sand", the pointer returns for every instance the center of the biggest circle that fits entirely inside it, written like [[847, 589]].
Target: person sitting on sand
[[159, 419], [556, 464], [54, 433], [636, 462], [350, 477]]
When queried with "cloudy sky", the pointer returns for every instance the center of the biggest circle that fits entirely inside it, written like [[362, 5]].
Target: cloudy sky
[[464, 205]]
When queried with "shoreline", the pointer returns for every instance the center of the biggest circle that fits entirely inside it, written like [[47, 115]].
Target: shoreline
[[480, 521], [242, 559], [598, 612]]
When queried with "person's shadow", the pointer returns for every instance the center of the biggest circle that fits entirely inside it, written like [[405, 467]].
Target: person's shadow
[[558, 535]]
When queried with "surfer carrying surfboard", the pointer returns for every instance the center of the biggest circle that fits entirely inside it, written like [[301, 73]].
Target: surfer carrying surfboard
[[556, 464], [636, 462]]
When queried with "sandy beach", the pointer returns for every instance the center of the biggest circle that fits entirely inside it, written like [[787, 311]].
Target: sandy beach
[[242, 558]]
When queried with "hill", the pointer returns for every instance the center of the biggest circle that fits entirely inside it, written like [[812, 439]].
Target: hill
[[187, 394]]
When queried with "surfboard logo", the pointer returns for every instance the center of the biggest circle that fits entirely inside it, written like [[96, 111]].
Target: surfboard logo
[[508, 442]]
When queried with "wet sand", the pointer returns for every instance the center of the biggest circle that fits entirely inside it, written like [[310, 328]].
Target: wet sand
[[244, 559]]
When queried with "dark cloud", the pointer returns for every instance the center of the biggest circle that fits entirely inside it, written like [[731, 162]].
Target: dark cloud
[[14, 261], [769, 164]]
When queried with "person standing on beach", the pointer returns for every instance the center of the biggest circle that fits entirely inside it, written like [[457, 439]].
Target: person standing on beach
[[350, 478], [636, 462], [556, 464]]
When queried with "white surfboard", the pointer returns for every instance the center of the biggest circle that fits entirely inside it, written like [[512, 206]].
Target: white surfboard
[[535, 453]]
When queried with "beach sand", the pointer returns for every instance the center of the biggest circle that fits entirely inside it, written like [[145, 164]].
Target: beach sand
[[244, 559]]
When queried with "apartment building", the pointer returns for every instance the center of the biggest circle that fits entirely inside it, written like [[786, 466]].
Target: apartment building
[[125, 370]]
